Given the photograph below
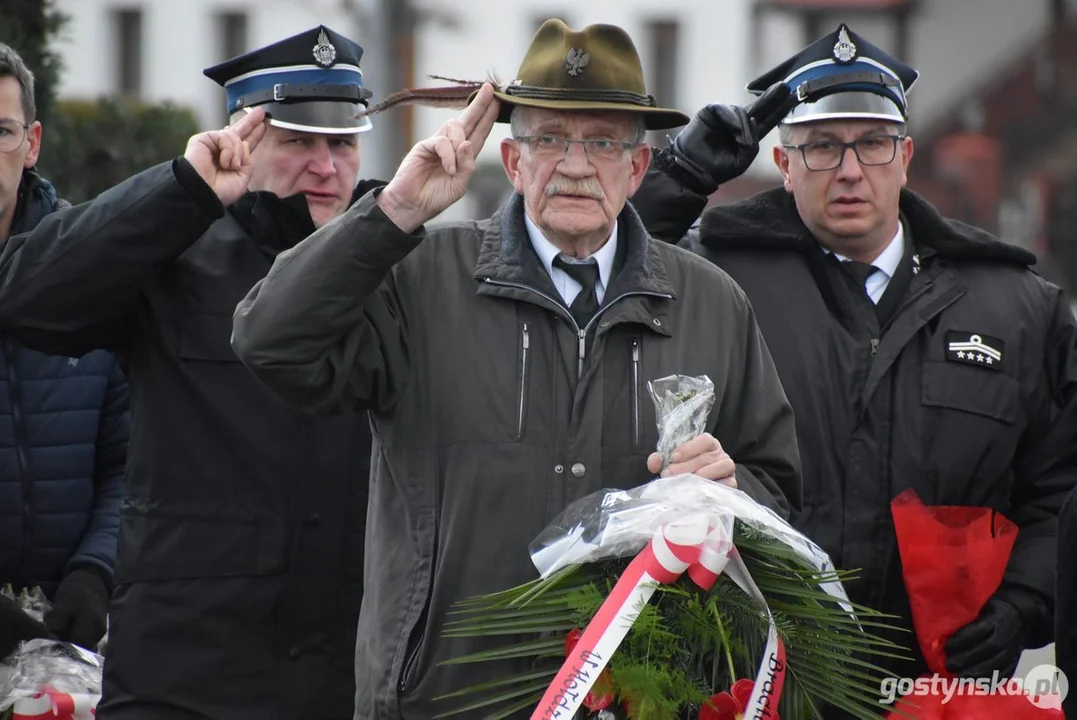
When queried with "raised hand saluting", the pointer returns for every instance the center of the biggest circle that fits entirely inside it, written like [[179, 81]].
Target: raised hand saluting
[[223, 157], [436, 172]]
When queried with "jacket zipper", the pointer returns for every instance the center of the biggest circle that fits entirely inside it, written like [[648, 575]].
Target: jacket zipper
[[581, 333], [18, 422], [525, 342], [908, 301], [410, 665], [635, 392]]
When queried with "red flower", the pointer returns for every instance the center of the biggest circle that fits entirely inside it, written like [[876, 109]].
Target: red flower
[[730, 705], [601, 695]]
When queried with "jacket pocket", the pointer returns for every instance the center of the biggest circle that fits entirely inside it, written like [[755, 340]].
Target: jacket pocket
[[207, 337], [417, 637], [522, 375], [636, 374], [973, 390], [411, 661], [173, 541]]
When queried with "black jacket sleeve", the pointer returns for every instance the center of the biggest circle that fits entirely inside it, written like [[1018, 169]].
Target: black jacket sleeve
[[666, 207], [1045, 472], [98, 546], [67, 286], [325, 329]]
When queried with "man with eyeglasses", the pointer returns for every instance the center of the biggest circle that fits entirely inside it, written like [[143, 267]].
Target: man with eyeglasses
[[63, 428], [505, 362], [917, 352]]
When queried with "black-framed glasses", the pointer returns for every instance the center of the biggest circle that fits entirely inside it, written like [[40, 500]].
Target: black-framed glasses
[[12, 133], [829, 154], [550, 146]]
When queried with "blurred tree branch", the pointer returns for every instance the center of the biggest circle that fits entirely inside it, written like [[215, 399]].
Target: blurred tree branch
[[30, 26]]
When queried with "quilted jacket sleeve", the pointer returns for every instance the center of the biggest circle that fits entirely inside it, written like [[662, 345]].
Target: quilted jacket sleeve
[[98, 546]]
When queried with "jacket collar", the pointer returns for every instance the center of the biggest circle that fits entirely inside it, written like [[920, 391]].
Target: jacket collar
[[770, 221], [35, 200], [507, 256], [279, 223]]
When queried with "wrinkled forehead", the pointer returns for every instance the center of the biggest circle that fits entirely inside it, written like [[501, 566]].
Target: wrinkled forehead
[[579, 122], [846, 130]]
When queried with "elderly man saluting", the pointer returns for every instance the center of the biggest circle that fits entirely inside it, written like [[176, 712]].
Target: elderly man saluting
[[505, 361]]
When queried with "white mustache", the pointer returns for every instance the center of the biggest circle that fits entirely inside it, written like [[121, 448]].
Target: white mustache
[[584, 188]]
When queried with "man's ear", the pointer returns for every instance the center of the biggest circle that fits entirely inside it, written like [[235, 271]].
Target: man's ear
[[33, 138], [781, 159], [510, 160], [641, 160]]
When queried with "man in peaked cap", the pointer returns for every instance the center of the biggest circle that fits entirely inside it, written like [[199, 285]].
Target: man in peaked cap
[[505, 362], [870, 302], [240, 568], [310, 82]]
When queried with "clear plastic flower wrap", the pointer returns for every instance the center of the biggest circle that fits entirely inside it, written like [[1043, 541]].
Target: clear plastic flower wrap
[[681, 405], [31, 601], [63, 667], [616, 523], [619, 523]]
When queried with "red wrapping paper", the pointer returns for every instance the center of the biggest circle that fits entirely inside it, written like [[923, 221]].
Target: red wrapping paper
[[953, 559]]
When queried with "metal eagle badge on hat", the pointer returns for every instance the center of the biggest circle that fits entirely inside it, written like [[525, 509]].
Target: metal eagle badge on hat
[[844, 48], [576, 61], [324, 52]]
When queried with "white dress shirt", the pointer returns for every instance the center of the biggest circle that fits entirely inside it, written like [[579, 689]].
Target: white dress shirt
[[886, 264], [565, 285]]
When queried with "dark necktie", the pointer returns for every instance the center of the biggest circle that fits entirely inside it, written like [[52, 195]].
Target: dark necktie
[[585, 305], [860, 272]]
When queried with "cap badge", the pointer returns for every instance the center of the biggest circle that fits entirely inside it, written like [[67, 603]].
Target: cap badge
[[576, 61], [844, 49], [324, 52]]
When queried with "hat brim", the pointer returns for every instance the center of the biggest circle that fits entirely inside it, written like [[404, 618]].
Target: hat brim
[[323, 118], [846, 106], [653, 118]]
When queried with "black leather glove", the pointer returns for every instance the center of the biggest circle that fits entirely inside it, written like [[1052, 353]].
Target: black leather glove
[[16, 627], [80, 608], [994, 640], [721, 141]]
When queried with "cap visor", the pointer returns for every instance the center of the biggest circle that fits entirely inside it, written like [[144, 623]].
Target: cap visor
[[846, 106], [328, 117]]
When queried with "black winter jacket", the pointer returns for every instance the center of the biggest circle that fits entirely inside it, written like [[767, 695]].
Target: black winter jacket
[[239, 577], [885, 407]]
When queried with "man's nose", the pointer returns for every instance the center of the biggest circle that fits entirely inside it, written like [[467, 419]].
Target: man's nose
[[850, 168], [322, 161], [575, 161]]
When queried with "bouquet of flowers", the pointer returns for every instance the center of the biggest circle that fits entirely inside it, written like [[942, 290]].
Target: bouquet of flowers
[[683, 598]]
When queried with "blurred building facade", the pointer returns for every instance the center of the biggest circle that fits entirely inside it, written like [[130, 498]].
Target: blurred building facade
[[991, 114]]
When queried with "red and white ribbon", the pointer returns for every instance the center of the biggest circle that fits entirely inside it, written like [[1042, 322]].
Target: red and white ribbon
[[52, 704], [704, 552]]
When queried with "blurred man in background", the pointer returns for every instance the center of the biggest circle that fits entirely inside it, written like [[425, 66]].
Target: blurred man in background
[[63, 428]]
